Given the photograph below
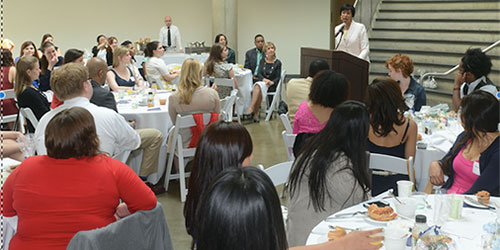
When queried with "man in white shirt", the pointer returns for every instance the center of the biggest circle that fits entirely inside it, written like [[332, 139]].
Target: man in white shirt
[[353, 39], [70, 83], [170, 37], [472, 75]]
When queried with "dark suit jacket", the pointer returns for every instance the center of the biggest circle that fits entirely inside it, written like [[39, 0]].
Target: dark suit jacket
[[102, 97], [251, 60]]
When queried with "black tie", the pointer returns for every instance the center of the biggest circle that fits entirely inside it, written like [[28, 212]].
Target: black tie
[[169, 40], [465, 89]]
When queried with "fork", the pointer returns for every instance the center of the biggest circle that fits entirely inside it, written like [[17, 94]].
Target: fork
[[345, 228], [345, 215]]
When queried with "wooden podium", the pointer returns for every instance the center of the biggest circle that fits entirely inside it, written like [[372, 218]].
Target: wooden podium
[[354, 68]]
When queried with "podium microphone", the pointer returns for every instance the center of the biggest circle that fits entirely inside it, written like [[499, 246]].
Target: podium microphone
[[341, 30]]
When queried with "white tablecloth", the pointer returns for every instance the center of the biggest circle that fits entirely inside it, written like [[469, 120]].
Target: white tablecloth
[[466, 231], [145, 117], [245, 85], [177, 58]]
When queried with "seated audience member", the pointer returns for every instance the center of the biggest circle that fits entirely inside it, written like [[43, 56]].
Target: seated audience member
[[231, 55], [191, 96], [221, 145], [7, 76], [28, 96], [472, 163], [400, 69], [254, 56], [250, 217], [71, 56], [390, 132], [298, 89], [269, 75], [70, 83], [216, 67], [121, 77], [100, 49], [28, 48], [11, 147], [98, 69], [331, 173], [48, 38], [48, 62], [156, 69], [472, 75], [354, 38], [328, 90], [75, 186], [74, 56], [112, 44], [131, 65]]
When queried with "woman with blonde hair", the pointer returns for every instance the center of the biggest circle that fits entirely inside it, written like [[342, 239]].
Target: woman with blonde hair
[[216, 67], [268, 77], [120, 77], [191, 96], [28, 96]]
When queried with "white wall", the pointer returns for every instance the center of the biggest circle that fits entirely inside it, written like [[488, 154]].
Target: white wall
[[290, 24], [76, 24]]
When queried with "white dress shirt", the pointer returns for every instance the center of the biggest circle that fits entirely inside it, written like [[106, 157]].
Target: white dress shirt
[[354, 40], [115, 134], [175, 37], [488, 87]]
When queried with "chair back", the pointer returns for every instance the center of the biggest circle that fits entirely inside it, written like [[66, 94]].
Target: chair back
[[279, 172], [393, 164], [224, 82], [286, 123], [140, 230], [28, 114], [289, 140], [6, 95], [271, 106], [227, 105], [176, 148]]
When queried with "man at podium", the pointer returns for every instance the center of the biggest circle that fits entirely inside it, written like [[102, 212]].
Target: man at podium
[[351, 36]]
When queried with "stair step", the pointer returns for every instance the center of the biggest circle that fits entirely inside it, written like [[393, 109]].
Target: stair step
[[473, 42], [439, 31], [433, 53], [481, 26], [435, 66], [439, 5], [438, 20], [441, 14], [436, 1], [437, 47], [429, 58], [430, 34]]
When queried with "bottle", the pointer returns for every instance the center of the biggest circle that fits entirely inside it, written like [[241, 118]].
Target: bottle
[[419, 227], [150, 99]]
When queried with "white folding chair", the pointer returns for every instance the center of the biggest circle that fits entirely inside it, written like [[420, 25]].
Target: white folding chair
[[286, 123], [28, 114], [272, 106], [289, 139], [279, 175], [226, 105], [123, 157], [229, 83], [9, 94], [176, 148], [393, 164]]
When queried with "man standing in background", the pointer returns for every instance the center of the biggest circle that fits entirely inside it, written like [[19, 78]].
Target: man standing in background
[[170, 37]]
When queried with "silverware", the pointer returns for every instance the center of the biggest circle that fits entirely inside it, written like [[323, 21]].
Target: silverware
[[332, 227], [396, 198], [347, 215], [477, 203]]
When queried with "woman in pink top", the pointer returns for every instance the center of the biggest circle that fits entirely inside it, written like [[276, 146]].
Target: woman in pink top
[[328, 90]]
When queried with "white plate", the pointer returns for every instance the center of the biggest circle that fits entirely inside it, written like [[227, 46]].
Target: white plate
[[382, 223], [322, 239], [474, 202]]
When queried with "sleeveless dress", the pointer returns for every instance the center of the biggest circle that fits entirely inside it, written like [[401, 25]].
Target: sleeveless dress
[[9, 105], [122, 82], [381, 183]]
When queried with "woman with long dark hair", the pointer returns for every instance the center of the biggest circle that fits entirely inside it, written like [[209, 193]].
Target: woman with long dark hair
[[472, 164], [221, 145], [231, 54], [28, 48], [48, 62], [390, 132], [155, 68], [216, 67], [7, 76], [241, 210], [331, 173]]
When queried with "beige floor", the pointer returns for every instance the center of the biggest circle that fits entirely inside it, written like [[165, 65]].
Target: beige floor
[[268, 149]]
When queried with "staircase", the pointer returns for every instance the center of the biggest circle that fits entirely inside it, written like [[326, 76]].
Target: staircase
[[434, 34]]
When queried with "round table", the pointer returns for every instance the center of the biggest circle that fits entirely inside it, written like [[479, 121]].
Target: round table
[[466, 231], [155, 117], [171, 58]]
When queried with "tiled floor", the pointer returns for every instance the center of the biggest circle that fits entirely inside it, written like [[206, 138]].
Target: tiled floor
[[268, 149]]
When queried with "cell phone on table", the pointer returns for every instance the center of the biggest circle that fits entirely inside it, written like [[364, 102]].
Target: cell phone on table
[[378, 203]]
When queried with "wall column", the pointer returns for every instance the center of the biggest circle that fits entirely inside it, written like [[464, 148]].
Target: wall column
[[225, 20]]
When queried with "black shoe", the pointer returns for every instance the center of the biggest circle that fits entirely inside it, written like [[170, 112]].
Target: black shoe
[[256, 120]]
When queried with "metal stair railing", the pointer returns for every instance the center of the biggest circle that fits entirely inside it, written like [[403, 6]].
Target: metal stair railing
[[422, 77]]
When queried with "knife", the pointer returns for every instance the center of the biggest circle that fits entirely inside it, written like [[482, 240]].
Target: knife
[[477, 203]]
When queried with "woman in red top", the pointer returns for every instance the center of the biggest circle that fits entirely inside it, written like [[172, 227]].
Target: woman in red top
[[8, 74], [72, 188]]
